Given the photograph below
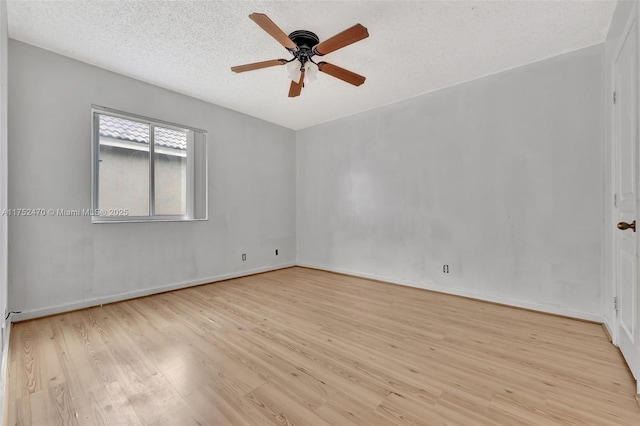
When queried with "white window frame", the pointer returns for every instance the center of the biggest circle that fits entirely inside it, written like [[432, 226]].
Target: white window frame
[[96, 111]]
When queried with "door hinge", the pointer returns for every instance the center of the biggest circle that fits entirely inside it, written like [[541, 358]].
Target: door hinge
[[615, 304], [615, 200], [614, 97]]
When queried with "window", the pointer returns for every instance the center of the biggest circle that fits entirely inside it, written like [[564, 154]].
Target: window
[[146, 170]]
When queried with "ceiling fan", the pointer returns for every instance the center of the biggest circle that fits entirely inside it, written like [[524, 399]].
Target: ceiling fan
[[304, 45]]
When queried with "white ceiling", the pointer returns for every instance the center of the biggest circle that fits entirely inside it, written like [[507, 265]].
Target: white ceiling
[[414, 46]]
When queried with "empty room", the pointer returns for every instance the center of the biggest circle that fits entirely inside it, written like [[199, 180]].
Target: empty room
[[319, 212]]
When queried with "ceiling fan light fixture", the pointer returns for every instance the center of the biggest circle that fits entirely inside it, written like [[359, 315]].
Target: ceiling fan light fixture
[[293, 68], [311, 71]]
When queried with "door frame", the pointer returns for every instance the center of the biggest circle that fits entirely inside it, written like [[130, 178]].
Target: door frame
[[632, 23]]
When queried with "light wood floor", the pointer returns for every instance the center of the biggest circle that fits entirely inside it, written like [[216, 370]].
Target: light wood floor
[[299, 346]]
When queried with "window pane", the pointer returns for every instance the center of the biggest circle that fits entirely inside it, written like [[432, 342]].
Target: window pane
[[170, 152], [123, 166]]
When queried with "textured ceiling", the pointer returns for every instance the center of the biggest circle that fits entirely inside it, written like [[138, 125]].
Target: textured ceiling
[[414, 46]]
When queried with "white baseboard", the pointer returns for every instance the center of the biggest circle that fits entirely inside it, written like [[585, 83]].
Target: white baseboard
[[550, 309], [5, 369], [52, 310], [96, 301], [609, 327]]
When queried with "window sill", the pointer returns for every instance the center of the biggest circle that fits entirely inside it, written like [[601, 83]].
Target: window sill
[[101, 220]]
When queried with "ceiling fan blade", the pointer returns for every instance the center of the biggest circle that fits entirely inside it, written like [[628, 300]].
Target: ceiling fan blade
[[296, 88], [338, 41], [274, 31], [258, 65], [341, 73]]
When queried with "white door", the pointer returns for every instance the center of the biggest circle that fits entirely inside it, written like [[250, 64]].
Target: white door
[[626, 143]]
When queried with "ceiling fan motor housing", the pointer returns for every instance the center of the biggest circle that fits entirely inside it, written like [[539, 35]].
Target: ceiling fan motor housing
[[305, 40]]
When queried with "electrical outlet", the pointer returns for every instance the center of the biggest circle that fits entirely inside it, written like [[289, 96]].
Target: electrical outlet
[[244, 257], [276, 252], [445, 269]]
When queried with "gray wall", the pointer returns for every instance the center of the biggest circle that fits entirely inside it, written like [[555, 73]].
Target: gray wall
[[58, 263], [500, 178]]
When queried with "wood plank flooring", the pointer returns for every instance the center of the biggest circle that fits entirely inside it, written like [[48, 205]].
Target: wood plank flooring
[[300, 346]]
